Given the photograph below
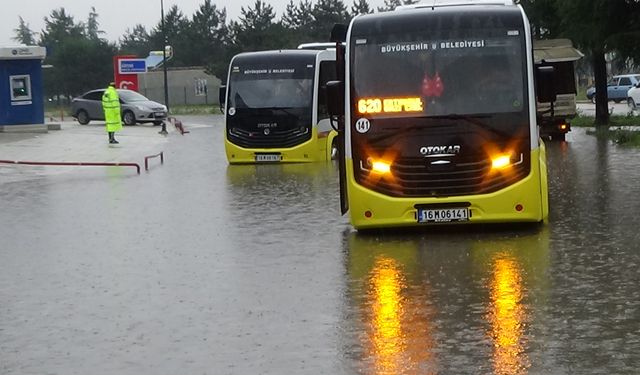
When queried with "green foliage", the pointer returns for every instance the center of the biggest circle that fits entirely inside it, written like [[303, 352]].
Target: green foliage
[[205, 38], [93, 26], [298, 23], [616, 120], [327, 13], [177, 36], [60, 26], [256, 29], [80, 59], [597, 27], [23, 34], [200, 109], [135, 42], [360, 7], [624, 137]]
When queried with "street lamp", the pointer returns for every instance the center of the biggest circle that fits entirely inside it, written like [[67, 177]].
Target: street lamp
[[164, 68]]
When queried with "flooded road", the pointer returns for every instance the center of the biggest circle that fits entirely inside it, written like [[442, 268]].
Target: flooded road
[[203, 268]]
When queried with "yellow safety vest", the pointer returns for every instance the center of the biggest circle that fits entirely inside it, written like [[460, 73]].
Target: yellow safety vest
[[111, 107]]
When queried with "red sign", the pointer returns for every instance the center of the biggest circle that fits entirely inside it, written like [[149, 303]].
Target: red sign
[[123, 80]]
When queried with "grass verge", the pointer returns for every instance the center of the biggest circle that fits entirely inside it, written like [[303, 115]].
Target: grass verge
[[56, 112], [615, 131], [200, 109], [586, 121], [619, 136]]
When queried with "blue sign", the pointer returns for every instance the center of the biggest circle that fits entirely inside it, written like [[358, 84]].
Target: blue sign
[[132, 66]]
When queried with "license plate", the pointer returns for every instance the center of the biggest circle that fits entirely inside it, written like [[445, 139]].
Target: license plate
[[443, 215], [266, 158], [159, 114]]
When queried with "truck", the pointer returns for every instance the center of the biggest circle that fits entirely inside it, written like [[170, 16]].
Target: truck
[[554, 118]]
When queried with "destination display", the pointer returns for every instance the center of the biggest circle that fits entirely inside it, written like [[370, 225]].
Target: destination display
[[389, 105]]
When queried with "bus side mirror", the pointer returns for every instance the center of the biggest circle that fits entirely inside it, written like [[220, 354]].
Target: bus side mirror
[[338, 33], [222, 97], [546, 90], [335, 98]]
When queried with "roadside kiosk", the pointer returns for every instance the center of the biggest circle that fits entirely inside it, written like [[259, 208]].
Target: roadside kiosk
[[21, 89]]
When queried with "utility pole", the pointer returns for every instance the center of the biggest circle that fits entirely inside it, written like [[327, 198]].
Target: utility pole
[[164, 68]]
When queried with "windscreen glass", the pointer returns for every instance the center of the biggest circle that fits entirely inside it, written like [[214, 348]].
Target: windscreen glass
[[256, 87], [446, 72], [131, 96]]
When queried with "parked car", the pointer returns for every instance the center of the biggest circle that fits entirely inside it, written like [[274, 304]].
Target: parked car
[[634, 97], [617, 87], [135, 108]]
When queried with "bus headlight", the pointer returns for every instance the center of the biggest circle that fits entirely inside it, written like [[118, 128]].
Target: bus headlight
[[380, 167], [376, 166], [501, 161]]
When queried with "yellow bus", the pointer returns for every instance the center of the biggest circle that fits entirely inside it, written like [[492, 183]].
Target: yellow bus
[[274, 109], [437, 116]]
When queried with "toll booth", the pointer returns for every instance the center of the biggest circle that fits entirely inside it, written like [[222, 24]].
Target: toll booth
[[21, 88]]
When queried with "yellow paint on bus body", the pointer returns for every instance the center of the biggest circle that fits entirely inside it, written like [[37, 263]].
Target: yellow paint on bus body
[[318, 148], [531, 193]]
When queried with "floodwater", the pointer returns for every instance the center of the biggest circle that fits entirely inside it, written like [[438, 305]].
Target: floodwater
[[203, 268]]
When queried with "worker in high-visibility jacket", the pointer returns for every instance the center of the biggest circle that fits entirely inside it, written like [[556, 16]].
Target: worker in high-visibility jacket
[[111, 107]]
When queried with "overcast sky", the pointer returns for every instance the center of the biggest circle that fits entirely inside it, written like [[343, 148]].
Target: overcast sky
[[115, 16]]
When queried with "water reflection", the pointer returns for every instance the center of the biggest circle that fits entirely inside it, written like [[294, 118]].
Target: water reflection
[[517, 288], [506, 316], [424, 310], [396, 334]]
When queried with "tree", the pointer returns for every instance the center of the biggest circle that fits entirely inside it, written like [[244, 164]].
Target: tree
[[390, 5], [298, 21], [135, 42], [360, 7], [256, 29], [58, 27], [209, 36], [23, 34], [79, 62], [543, 16], [327, 13], [177, 34], [93, 26], [604, 26]]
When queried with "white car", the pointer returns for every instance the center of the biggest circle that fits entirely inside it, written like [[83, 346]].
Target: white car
[[633, 96]]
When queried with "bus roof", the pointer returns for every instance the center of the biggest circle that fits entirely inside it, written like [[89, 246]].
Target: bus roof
[[317, 46], [449, 3], [418, 18], [281, 52], [306, 56]]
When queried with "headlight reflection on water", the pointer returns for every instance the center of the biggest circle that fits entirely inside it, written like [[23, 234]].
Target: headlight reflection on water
[[399, 331], [506, 316]]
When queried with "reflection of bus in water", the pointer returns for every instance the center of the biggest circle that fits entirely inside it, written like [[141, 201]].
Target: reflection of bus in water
[[418, 305], [440, 117], [273, 109]]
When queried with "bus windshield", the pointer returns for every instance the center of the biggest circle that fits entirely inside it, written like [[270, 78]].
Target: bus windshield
[[269, 88], [470, 72]]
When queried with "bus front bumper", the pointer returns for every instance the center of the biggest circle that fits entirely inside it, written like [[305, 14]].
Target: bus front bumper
[[524, 201], [314, 150]]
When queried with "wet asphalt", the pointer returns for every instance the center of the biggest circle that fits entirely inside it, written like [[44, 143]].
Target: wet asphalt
[[197, 267]]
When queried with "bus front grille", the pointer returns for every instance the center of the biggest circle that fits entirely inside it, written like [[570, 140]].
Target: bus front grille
[[272, 138], [418, 177]]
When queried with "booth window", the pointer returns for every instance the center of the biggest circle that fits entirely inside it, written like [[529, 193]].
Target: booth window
[[20, 87]]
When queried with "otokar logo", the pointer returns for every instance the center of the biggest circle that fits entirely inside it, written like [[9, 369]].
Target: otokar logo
[[448, 150]]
